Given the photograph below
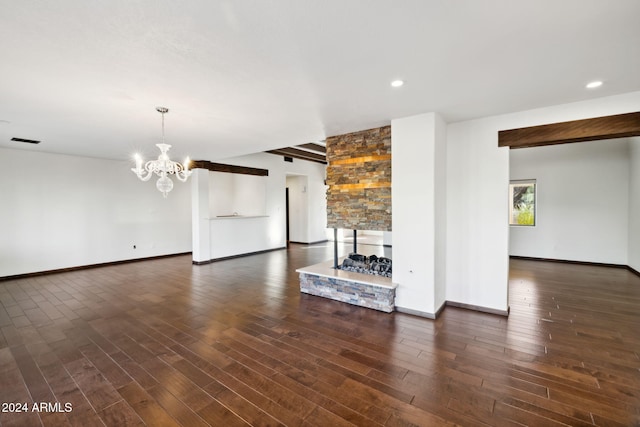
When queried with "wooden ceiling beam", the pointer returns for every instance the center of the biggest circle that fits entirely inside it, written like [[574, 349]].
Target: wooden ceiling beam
[[220, 167], [313, 147], [299, 154], [608, 127]]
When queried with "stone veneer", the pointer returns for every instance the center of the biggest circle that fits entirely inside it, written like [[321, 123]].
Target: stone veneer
[[359, 180], [355, 293], [376, 292]]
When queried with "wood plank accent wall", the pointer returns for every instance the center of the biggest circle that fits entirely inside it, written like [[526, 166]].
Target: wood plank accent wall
[[608, 127], [359, 180]]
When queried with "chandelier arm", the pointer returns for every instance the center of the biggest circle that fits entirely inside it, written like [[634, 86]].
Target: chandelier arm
[[146, 177], [183, 175], [174, 168], [149, 168], [140, 173]]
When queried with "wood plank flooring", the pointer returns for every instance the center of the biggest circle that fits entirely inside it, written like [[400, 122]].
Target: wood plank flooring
[[234, 343]]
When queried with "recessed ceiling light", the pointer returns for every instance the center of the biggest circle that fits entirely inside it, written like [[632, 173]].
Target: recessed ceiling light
[[594, 84], [397, 83]]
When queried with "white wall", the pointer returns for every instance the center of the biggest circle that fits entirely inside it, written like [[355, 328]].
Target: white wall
[[237, 194], [230, 237], [582, 207], [243, 235], [62, 211], [634, 204], [387, 238], [477, 217], [418, 189], [477, 196]]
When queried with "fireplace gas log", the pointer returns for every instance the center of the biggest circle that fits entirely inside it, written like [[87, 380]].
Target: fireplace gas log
[[358, 263], [381, 266]]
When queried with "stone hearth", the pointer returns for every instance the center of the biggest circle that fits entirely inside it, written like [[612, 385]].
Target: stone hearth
[[323, 280]]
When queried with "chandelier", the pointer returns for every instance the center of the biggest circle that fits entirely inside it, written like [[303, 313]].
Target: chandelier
[[163, 166]]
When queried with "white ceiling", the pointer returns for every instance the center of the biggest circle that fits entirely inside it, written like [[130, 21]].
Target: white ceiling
[[239, 76]]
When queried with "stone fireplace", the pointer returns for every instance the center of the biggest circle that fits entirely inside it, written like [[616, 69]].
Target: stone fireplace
[[358, 198], [359, 180]]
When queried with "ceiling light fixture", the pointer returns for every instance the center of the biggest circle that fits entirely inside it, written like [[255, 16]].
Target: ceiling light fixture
[[163, 166], [594, 84], [397, 83]]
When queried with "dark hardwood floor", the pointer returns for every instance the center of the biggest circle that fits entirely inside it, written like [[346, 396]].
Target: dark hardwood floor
[[164, 342]]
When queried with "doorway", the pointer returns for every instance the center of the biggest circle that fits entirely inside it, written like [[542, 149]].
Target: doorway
[[286, 190], [584, 204], [297, 208]]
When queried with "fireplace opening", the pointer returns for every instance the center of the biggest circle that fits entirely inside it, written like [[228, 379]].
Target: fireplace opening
[[359, 263], [373, 265]]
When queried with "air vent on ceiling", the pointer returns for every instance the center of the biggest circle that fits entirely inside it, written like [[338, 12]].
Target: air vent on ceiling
[[29, 141]]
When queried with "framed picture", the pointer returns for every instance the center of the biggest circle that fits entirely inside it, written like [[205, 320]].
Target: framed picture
[[522, 202]]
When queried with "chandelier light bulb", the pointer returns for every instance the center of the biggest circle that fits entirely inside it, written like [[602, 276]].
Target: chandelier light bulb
[[138, 160]]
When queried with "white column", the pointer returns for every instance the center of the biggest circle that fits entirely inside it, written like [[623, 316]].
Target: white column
[[200, 222], [419, 212], [634, 204]]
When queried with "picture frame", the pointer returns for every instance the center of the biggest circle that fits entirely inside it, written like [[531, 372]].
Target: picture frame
[[522, 202]]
